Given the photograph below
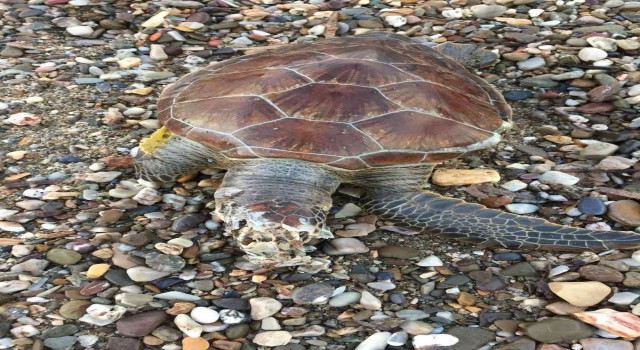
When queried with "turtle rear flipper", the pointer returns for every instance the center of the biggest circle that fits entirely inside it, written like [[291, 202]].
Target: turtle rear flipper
[[468, 55], [430, 212]]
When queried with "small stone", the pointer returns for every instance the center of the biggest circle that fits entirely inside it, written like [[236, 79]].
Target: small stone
[[398, 252], [521, 208], [129, 62], [188, 326], [315, 293], [514, 185], [264, 307], [532, 63], [430, 261], [195, 344], [416, 327], [63, 256], [376, 341], [102, 315], [175, 295], [558, 329], [145, 274], [623, 298], [344, 299], [583, 294], [231, 316], [60, 343], [348, 210], [398, 339], [369, 301], [148, 196], [204, 315], [600, 273], [102, 177], [598, 150], [119, 343], [141, 324], [558, 178], [9, 287], [164, 262], [605, 344], [591, 206], [430, 341], [562, 308], [622, 324], [272, 338], [156, 53], [97, 270], [74, 309], [459, 177], [80, 31], [625, 212], [488, 11], [591, 54], [345, 246]]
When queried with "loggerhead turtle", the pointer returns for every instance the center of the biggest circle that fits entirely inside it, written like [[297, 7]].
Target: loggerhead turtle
[[378, 111]]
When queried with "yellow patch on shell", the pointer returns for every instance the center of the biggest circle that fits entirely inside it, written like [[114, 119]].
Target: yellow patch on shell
[[157, 139]]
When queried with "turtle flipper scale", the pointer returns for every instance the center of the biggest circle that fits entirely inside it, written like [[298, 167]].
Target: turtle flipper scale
[[430, 212]]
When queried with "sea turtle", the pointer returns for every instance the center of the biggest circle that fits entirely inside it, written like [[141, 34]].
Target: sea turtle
[[378, 111]]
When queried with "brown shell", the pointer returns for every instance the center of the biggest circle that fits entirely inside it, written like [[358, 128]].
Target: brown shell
[[352, 103]]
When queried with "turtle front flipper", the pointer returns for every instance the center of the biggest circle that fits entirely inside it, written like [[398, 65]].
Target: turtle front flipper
[[430, 212], [164, 157]]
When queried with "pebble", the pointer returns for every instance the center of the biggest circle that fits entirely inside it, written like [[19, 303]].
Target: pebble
[[591, 206], [145, 274], [264, 307], [188, 326], [345, 246], [273, 338], [97, 270], [598, 150], [376, 341], [531, 63], [434, 340], [622, 324], [369, 301], [315, 293], [63, 256], [460, 177], [581, 293], [141, 324], [102, 315], [625, 212], [195, 344], [591, 54], [80, 30], [558, 329], [521, 208], [553, 177], [344, 299]]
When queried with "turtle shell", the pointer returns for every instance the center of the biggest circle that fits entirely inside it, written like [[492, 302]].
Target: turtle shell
[[351, 103]]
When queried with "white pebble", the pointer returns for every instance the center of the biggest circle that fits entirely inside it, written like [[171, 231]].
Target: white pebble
[[204, 315], [521, 208]]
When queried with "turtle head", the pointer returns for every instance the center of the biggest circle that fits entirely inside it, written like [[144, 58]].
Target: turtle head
[[273, 208], [270, 232]]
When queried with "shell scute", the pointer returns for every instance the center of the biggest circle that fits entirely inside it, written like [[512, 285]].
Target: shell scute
[[333, 102], [232, 112], [354, 72], [307, 136]]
